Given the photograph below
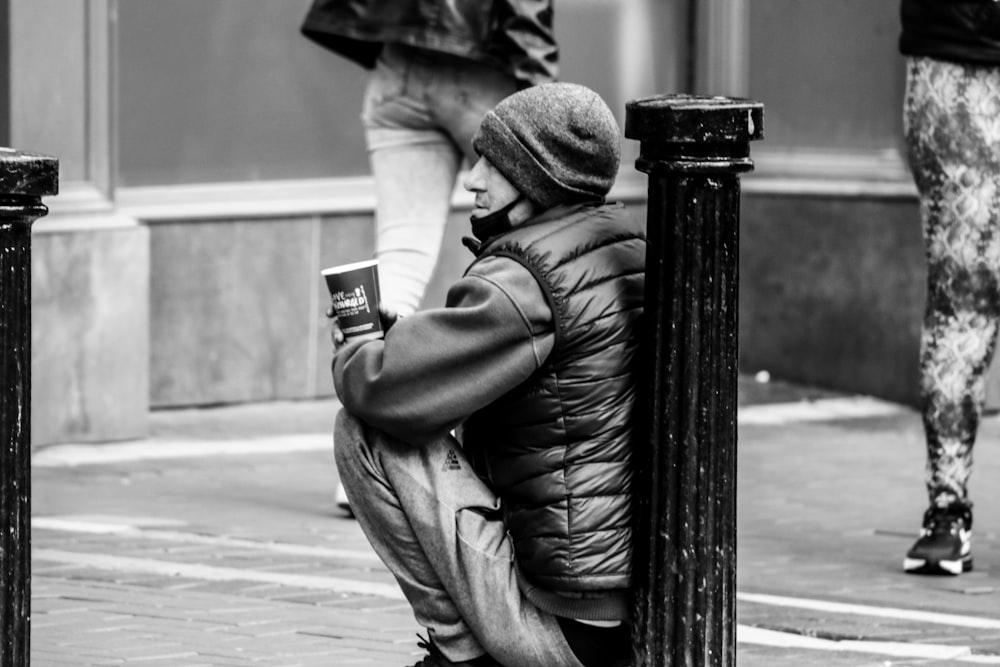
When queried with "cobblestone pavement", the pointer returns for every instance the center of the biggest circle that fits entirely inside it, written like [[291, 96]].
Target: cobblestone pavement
[[217, 542]]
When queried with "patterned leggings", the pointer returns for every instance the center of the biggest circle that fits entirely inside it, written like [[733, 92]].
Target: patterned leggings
[[952, 126]]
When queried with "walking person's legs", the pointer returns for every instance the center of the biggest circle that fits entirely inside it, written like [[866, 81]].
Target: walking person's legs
[[438, 529], [420, 112], [414, 164], [954, 152]]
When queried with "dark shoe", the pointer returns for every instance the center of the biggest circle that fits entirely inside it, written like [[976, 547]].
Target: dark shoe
[[436, 659], [343, 503], [945, 543]]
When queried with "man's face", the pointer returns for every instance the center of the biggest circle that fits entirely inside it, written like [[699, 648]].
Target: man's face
[[492, 189]]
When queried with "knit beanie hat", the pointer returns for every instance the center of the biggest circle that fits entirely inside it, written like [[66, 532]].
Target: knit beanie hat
[[557, 143]]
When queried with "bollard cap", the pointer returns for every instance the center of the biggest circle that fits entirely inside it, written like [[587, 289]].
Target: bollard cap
[[694, 119], [24, 173]]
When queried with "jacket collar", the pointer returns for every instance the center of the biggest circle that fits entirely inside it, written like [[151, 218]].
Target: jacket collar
[[555, 213]]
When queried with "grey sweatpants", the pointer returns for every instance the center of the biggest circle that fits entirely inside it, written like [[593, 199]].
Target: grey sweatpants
[[437, 528]]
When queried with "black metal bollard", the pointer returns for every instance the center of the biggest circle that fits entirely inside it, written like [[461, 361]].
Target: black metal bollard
[[24, 179], [693, 149]]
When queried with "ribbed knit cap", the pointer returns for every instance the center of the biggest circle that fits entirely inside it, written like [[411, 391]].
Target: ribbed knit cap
[[557, 143]]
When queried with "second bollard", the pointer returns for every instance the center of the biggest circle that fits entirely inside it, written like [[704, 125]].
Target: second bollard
[[693, 149], [24, 179]]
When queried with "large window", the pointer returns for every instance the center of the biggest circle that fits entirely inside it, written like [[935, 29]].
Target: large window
[[829, 72], [229, 91], [831, 80]]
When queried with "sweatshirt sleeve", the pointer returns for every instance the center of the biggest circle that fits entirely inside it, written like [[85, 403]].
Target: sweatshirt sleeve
[[436, 367]]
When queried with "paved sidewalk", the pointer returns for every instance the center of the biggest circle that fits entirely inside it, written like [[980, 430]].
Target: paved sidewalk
[[217, 542]]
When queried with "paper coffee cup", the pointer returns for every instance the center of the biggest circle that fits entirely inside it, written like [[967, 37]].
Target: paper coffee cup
[[355, 293]]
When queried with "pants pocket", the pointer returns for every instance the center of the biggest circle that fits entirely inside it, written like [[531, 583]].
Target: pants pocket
[[385, 86], [480, 527]]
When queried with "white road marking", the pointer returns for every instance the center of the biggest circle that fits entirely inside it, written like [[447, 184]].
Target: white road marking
[[868, 610], [759, 636], [102, 523], [72, 525], [826, 409], [125, 564], [143, 450]]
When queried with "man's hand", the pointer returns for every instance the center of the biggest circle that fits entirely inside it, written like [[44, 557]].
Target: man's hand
[[337, 337], [387, 315]]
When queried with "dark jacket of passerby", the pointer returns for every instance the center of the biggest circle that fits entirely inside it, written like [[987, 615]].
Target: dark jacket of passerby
[[515, 36], [964, 31]]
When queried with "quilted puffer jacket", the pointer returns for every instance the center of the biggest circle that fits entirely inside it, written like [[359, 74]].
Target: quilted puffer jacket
[[558, 449], [513, 35], [965, 31]]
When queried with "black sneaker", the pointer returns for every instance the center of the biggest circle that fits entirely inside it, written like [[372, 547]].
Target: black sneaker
[[342, 502], [945, 543], [435, 658]]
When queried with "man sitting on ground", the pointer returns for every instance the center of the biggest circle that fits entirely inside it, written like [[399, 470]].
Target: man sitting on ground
[[512, 541]]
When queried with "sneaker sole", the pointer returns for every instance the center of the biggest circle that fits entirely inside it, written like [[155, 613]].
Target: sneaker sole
[[940, 567]]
